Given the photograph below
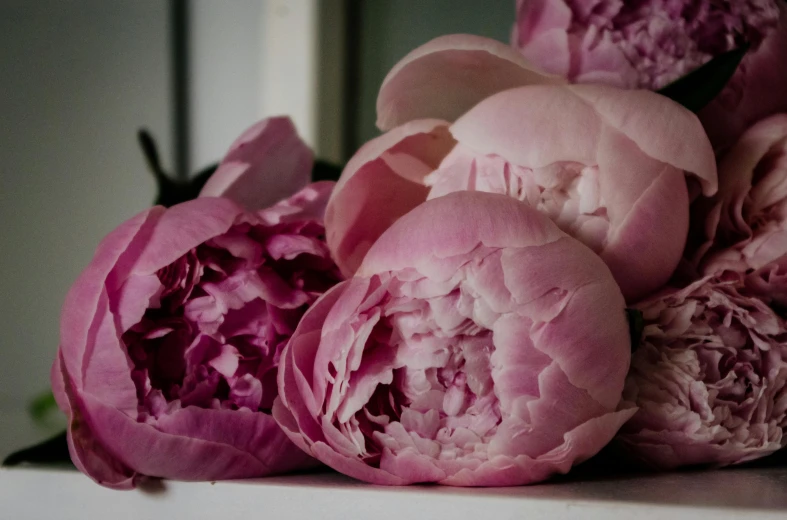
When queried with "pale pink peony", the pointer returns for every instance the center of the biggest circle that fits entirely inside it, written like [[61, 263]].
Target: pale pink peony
[[607, 165], [709, 377], [745, 224], [170, 339], [640, 44], [478, 345]]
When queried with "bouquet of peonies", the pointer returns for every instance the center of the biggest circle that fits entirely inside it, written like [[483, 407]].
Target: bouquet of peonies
[[462, 306]]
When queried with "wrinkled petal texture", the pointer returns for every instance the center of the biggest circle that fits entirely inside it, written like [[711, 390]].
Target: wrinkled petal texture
[[170, 340], [745, 224], [646, 44], [708, 378], [266, 164], [478, 345], [607, 165], [445, 77], [755, 91], [382, 182]]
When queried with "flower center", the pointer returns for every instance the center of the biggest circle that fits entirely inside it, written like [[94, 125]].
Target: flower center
[[426, 367], [225, 310]]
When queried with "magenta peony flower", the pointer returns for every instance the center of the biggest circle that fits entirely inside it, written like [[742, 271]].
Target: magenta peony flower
[[709, 377], [607, 165], [478, 345], [170, 339], [642, 44], [745, 224]]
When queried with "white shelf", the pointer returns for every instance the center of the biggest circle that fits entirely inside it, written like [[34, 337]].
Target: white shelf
[[33, 494]]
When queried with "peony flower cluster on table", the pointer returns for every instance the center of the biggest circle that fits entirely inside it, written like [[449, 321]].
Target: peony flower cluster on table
[[462, 306]]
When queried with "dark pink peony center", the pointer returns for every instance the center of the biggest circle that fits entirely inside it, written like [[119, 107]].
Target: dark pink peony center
[[225, 310]]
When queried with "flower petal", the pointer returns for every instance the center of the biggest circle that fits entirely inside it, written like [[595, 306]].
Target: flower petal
[[267, 163], [446, 76]]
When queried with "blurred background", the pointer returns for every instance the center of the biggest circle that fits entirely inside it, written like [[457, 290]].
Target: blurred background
[[80, 77]]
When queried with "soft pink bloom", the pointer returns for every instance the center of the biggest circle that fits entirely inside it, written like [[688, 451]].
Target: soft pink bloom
[[709, 377], [266, 164], [644, 44], [170, 339], [607, 165], [744, 226], [478, 345], [757, 90]]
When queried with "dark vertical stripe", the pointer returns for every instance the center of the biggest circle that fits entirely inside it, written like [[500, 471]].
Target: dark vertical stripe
[[353, 17], [179, 33]]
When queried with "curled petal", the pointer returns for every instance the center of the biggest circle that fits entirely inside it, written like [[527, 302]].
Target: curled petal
[[446, 76], [382, 182], [267, 163], [744, 225]]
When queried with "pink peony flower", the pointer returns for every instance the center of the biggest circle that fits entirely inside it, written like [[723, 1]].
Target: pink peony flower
[[642, 44], [745, 224], [170, 339], [607, 165], [478, 345], [709, 377]]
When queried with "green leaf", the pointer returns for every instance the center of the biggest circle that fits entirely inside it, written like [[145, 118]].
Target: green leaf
[[699, 87], [41, 405], [170, 191], [51, 451], [636, 327]]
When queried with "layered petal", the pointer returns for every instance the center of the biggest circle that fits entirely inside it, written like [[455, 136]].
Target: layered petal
[[603, 163], [744, 225], [709, 377], [454, 355], [382, 182]]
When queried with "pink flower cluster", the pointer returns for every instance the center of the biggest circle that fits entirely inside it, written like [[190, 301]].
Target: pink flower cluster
[[453, 309]]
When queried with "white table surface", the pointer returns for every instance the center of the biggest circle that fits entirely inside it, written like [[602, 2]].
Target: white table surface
[[724, 494]]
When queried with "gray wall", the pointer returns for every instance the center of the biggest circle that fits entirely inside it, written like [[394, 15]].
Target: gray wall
[[78, 79], [392, 28]]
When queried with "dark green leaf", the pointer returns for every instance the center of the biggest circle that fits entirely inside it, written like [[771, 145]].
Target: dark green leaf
[[325, 171], [698, 88], [636, 326], [51, 451], [170, 191]]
